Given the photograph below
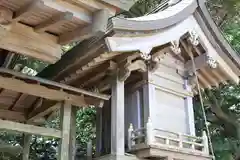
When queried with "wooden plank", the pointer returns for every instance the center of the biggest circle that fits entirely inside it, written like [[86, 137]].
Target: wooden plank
[[68, 127], [53, 21], [26, 146], [98, 27], [64, 6], [15, 103], [22, 12], [51, 83], [12, 115], [40, 91], [26, 128]]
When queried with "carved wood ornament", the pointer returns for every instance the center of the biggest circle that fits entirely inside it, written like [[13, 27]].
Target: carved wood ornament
[[130, 65]]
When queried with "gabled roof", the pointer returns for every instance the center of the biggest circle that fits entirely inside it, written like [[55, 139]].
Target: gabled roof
[[85, 59]]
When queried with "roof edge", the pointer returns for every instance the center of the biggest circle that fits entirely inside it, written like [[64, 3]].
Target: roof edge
[[187, 7], [216, 38]]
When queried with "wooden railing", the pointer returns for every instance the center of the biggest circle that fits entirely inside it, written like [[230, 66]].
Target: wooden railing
[[158, 137]]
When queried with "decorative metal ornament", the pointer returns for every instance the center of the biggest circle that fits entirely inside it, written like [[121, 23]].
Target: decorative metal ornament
[[211, 62], [194, 38], [175, 47], [145, 53]]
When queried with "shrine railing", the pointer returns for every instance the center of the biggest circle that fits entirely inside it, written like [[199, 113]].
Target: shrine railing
[[149, 136]]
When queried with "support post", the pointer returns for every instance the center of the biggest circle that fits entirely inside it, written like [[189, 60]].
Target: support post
[[99, 132], [205, 143], [189, 110], [117, 117], [68, 127], [26, 146]]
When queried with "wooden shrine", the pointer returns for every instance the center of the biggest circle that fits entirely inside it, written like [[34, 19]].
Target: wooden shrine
[[149, 65]]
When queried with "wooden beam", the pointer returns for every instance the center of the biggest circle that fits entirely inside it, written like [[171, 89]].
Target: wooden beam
[[23, 11], [31, 129], [9, 74], [64, 6], [98, 27], [54, 20], [68, 127], [40, 91]]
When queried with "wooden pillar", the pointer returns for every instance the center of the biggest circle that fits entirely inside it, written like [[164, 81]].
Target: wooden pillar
[[68, 127], [99, 132], [117, 117], [189, 110], [26, 146]]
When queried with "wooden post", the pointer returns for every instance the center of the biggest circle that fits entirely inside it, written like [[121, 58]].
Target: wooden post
[[117, 117], [189, 109], [205, 143], [26, 146], [150, 133], [68, 127], [130, 141], [99, 132]]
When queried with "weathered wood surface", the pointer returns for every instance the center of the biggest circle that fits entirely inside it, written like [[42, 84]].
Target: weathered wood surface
[[30, 129], [68, 126]]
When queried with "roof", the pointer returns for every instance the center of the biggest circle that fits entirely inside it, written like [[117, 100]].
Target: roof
[[48, 24], [87, 57], [24, 97]]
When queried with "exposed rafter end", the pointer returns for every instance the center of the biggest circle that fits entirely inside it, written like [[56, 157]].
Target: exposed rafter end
[[98, 27], [125, 72]]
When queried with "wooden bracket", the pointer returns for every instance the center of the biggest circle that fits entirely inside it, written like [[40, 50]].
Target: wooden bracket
[[125, 71]]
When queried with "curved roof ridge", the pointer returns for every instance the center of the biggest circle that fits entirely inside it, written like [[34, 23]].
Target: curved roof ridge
[[159, 20]]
